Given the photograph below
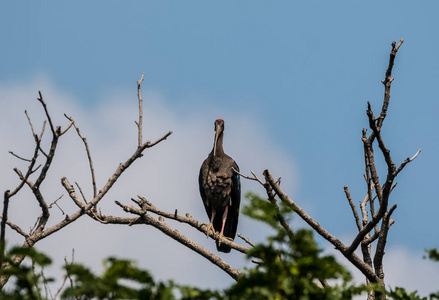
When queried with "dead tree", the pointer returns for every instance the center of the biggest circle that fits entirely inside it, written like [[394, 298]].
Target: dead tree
[[375, 221], [373, 225], [39, 230]]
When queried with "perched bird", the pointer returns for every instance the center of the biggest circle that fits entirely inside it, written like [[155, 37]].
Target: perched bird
[[220, 189]]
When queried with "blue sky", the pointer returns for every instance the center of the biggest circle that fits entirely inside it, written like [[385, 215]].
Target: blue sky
[[293, 77]]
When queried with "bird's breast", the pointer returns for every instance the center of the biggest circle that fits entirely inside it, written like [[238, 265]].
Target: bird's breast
[[219, 187]]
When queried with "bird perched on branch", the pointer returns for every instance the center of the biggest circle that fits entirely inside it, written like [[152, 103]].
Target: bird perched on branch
[[220, 189]]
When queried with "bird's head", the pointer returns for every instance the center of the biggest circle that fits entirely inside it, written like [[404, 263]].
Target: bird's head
[[219, 128]]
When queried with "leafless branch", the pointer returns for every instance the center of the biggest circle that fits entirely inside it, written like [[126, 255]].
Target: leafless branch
[[243, 176], [30, 124], [87, 149], [16, 228], [67, 128], [52, 128], [37, 193], [174, 234], [40, 137], [140, 123], [82, 194], [246, 239], [54, 203], [406, 161], [148, 144], [257, 261], [149, 207], [35, 224], [39, 231], [352, 257], [280, 217], [71, 190], [19, 157], [352, 204]]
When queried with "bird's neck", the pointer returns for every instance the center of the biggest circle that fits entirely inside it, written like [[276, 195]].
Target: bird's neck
[[219, 145]]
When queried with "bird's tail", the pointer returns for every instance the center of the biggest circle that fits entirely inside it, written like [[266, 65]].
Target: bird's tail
[[223, 247]]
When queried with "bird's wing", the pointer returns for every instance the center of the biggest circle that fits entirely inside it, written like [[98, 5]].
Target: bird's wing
[[236, 187], [201, 183], [236, 201]]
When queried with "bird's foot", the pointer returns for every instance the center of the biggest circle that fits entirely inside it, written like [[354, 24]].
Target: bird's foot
[[210, 229], [221, 237]]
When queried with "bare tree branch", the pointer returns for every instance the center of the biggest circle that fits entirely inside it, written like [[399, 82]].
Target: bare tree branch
[[174, 234], [202, 227], [87, 149], [19, 157], [140, 123], [82, 194], [52, 128], [39, 231], [352, 204], [246, 239], [352, 257], [406, 161]]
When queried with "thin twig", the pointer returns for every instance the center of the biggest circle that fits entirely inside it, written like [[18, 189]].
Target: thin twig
[[54, 203], [140, 123], [354, 209], [82, 194], [54, 132], [87, 149], [3, 226], [242, 175], [148, 144], [30, 124], [257, 261], [406, 161], [67, 128], [246, 239], [255, 177], [42, 131], [16, 228], [19, 157]]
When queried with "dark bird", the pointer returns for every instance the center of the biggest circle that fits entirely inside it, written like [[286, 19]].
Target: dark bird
[[220, 189]]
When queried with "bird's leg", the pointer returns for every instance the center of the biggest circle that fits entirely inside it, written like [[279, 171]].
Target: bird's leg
[[221, 236], [210, 226]]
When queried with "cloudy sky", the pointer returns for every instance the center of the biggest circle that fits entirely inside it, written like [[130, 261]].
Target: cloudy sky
[[291, 80]]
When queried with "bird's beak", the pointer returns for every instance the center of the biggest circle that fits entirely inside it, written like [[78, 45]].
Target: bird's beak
[[217, 133]]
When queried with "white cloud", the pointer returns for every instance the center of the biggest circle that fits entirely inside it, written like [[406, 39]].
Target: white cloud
[[167, 175], [408, 269]]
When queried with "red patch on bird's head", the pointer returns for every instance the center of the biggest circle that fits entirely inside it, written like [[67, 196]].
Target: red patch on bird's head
[[219, 120]]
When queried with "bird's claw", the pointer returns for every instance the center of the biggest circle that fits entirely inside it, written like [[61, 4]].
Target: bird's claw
[[222, 237], [210, 229]]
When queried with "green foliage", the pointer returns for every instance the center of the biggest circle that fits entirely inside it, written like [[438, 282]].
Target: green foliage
[[262, 210], [401, 294], [433, 254], [26, 282], [121, 280], [289, 265], [193, 293]]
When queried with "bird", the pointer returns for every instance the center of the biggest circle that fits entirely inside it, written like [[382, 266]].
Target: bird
[[220, 189]]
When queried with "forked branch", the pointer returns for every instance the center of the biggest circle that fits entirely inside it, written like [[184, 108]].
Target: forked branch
[[182, 239]]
